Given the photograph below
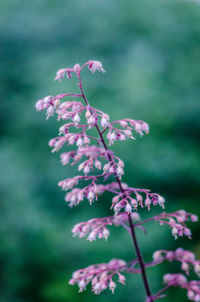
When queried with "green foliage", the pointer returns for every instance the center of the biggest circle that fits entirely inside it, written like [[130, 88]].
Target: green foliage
[[150, 50]]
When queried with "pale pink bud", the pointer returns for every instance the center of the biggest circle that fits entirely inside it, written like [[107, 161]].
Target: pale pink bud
[[148, 202], [197, 298], [128, 208], [50, 112], [138, 128], [88, 114], [80, 196], [175, 232], [56, 104], [71, 139], [97, 288], [161, 201], [79, 142], [104, 121], [187, 232], [81, 166], [92, 236], [194, 218], [115, 199], [82, 285], [86, 140], [121, 278], [95, 65], [134, 203], [123, 124], [106, 233], [112, 137], [145, 127], [128, 133], [98, 164], [157, 256], [184, 266], [117, 208], [167, 278], [112, 169], [106, 168], [91, 121], [76, 118], [190, 294], [86, 169], [112, 286], [90, 196], [119, 171], [139, 198], [121, 163], [77, 67], [197, 268], [135, 216]]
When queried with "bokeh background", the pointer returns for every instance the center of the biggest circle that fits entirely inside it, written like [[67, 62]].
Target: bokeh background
[[150, 50]]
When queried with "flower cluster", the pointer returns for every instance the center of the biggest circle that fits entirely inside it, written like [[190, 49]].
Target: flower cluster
[[96, 227], [177, 222], [100, 276], [125, 200], [192, 287], [102, 171], [186, 258]]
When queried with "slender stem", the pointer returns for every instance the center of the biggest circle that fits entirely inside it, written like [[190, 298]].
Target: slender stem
[[158, 294], [133, 235]]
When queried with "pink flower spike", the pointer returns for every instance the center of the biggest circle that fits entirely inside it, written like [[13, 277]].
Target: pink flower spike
[[88, 133]]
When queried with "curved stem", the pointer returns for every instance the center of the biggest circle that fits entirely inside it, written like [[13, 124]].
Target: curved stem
[[133, 235]]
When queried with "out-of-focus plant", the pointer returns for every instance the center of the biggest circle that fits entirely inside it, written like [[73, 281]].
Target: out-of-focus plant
[[126, 201]]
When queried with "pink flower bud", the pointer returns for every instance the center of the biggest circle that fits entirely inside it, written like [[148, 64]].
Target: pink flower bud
[[112, 286], [121, 279], [106, 233], [134, 203], [82, 285], [90, 196], [184, 266], [117, 208], [190, 294], [50, 112], [86, 169], [128, 208], [98, 164], [197, 268], [56, 104], [197, 298], [138, 128], [77, 67], [86, 140], [194, 218], [95, 65], [92, 236], [88, 114], [76, 118], [119, 171], [123, 124], [104, 121], [145, 127], [147, 202], [157, 256], [79, 142], [161, 201]]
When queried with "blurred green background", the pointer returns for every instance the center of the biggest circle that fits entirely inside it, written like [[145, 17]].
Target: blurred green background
[[150, 50]]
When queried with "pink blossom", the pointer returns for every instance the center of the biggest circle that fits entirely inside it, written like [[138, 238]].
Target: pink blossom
[[102, 171]]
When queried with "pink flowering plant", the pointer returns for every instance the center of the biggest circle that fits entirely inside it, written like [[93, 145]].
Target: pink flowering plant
[[101, 171]]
